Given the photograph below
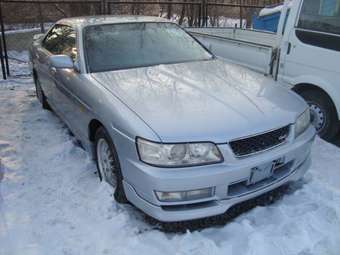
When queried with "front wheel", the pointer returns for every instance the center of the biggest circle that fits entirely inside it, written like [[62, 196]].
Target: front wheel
[[323, 114], [108, 164]]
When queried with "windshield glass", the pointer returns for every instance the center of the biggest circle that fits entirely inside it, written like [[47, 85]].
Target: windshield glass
[[121, 46]]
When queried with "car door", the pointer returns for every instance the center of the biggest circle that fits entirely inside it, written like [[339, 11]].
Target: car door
[[48, 47], [69, 90]]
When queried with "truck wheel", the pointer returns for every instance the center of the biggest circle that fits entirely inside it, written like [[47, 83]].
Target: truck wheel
[[40, 94], [323, 114], [108, 164]]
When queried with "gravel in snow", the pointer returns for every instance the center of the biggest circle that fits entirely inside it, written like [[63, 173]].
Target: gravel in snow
[[51, 201]]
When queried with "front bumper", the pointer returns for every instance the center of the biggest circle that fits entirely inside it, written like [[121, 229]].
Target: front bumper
[[224, 178]]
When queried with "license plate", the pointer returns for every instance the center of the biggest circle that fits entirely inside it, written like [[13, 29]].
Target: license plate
[[264, 171]]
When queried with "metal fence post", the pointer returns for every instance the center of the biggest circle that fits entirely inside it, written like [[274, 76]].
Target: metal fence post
[[202, 14], [241, 15], [107, 7], [205, 13], [4, 66], [199, 14], [103, 7], [41, 21]]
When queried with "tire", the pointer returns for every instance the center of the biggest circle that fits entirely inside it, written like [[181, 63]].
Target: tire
[[108, 164], [40, 94], [324, 115]]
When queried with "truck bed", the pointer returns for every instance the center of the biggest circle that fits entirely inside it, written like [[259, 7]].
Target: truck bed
[[250, 48], [246, 35]]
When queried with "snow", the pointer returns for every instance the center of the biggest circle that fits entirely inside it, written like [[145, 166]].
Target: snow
[[271, 10], [221, 21], [24, 30], [51, 201]]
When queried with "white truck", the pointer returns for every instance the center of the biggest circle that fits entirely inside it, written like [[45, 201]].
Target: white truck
[[304, 54]]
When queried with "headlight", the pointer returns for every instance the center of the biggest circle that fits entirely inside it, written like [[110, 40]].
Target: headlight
[[178, 155], [302, 123]]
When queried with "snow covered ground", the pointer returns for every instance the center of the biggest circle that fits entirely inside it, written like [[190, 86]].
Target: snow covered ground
[[51, 201]]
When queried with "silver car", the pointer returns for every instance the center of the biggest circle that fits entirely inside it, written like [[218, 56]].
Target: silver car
[[178, 132]]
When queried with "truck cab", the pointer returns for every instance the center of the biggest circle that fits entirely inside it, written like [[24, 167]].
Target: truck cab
[[310, 60]]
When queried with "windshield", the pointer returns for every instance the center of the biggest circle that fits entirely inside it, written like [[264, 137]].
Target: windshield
[[121, 46]]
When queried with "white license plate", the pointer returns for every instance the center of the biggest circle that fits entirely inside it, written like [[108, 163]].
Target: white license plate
[[264, 171]]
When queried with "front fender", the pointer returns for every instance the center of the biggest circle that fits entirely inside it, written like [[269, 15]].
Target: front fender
[[326, 85]]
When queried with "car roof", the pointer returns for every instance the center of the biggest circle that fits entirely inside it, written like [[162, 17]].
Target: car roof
[[108, 19]]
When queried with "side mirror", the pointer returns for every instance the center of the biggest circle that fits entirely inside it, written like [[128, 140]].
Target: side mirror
[[37, 37], [61, 61]]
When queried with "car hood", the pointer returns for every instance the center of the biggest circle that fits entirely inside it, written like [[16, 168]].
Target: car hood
[[203, 101]]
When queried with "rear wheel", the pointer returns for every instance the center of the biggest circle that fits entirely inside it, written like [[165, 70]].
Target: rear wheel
[[323, 113], [108, 164], [40, 94]]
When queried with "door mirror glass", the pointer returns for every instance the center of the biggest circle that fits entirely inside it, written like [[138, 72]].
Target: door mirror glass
[[61, 61]]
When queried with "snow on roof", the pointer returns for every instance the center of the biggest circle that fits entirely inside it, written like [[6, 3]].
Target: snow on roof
[[109, 19], [271, 10]]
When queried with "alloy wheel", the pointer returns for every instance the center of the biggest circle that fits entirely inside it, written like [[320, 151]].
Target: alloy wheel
[[318, 116], [106, 162]]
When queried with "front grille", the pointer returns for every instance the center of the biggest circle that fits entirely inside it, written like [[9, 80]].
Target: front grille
[[254, 144]]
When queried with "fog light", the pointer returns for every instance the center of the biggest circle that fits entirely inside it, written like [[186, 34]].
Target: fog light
[[184, 195]]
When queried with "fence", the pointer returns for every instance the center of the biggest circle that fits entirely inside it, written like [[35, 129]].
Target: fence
[[35, 16], [188, 13]]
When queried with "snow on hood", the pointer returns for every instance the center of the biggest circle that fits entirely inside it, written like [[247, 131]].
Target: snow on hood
[[219, 100]]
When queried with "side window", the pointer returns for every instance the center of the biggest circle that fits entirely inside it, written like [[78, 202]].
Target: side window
[[61, 40], [51, 40], [320, 16], [69, 43]]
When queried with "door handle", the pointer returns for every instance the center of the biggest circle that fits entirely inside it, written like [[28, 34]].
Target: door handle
[[289, 48], [53, 70]]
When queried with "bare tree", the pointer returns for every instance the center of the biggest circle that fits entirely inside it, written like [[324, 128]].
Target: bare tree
[[62, 11]]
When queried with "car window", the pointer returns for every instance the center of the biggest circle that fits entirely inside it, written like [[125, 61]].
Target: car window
[[321, 16], [61, 40]]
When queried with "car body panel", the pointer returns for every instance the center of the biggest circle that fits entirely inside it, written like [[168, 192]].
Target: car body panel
[[237, 102]]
